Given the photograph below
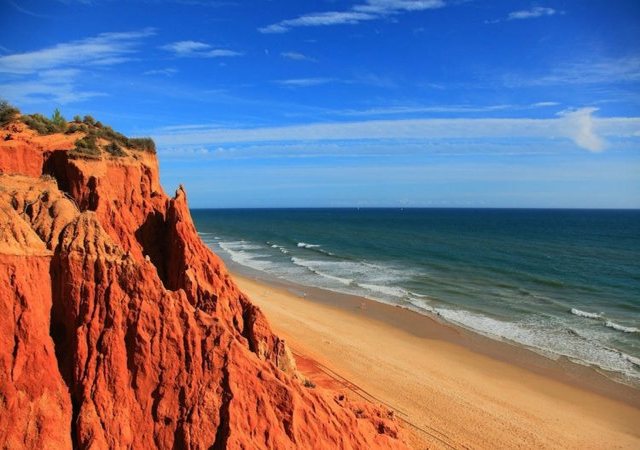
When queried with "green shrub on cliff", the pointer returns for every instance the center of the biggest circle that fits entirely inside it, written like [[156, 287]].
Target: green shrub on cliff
[[109, 134], [86, 148], [114, 149], [143, 144], [39, 123], [58, 120], [43, 125], [7, 112], [75, 127]]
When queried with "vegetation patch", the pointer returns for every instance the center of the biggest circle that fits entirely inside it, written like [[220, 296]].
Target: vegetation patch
[[44, 125], [75, 127], [7, 112], [86, 148], [118, 139], [114, 149], [39, 123], [58, 121], [109, 134], [143, 144]]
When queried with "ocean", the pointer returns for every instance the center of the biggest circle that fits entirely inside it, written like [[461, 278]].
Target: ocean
[[560, 282]]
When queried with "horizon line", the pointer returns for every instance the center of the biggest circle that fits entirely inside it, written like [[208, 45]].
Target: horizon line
[[523, 208]]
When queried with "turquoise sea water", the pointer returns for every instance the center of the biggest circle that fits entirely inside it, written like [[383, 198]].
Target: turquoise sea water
[[562, 282]]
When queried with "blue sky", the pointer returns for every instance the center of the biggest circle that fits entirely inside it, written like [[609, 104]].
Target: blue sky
[[350, 103]]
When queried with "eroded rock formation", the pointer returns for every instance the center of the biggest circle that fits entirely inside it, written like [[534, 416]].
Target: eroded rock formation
[[120, 329]]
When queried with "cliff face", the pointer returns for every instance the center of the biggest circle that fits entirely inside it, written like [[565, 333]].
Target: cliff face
[[121, 329]]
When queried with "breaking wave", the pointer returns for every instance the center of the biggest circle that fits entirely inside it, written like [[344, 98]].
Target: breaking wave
[[588, 315]]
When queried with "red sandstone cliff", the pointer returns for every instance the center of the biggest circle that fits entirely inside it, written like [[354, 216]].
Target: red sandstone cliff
[[121, 329]]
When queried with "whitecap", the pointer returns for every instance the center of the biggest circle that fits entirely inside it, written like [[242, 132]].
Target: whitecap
[[241, 245], [588, 315], [281, 248], [305, 245], [622, 328]]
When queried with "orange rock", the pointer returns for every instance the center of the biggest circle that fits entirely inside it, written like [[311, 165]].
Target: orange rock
[[155, 346], [35, 407]]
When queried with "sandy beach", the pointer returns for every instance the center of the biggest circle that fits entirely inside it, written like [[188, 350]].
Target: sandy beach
[[451, 387]]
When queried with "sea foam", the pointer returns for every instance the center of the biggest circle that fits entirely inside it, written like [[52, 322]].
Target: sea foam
[[281, 248], [241, 253], [315, 248], [549, 339], [380, 282], [386, 290], [588, 315], [305, 245], [622, 328], [312, 266]]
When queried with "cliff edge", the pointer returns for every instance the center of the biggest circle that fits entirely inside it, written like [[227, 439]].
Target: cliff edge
[[121, 329]]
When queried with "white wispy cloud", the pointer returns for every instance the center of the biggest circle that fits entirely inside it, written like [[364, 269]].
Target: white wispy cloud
[[589, 71], [167, 71], [577, 125], [103, 49], [318, 19], [304, 82], [362, 79], [25, 10], [185, 47], [533, 13], [392, 6], [187, 127], [57, 85], [544, 104], [370, 10], [429, 109], [297, 56], [54, 73], [394, 110], [338, 149], [197, 49]]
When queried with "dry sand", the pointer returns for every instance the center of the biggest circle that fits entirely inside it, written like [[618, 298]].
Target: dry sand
[[453, 388]]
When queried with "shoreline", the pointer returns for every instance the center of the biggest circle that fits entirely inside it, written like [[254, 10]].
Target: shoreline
[[431, 372], [614, 364], [419, 324]]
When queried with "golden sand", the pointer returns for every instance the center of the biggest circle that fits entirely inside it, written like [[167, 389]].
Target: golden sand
[[453, 389]]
